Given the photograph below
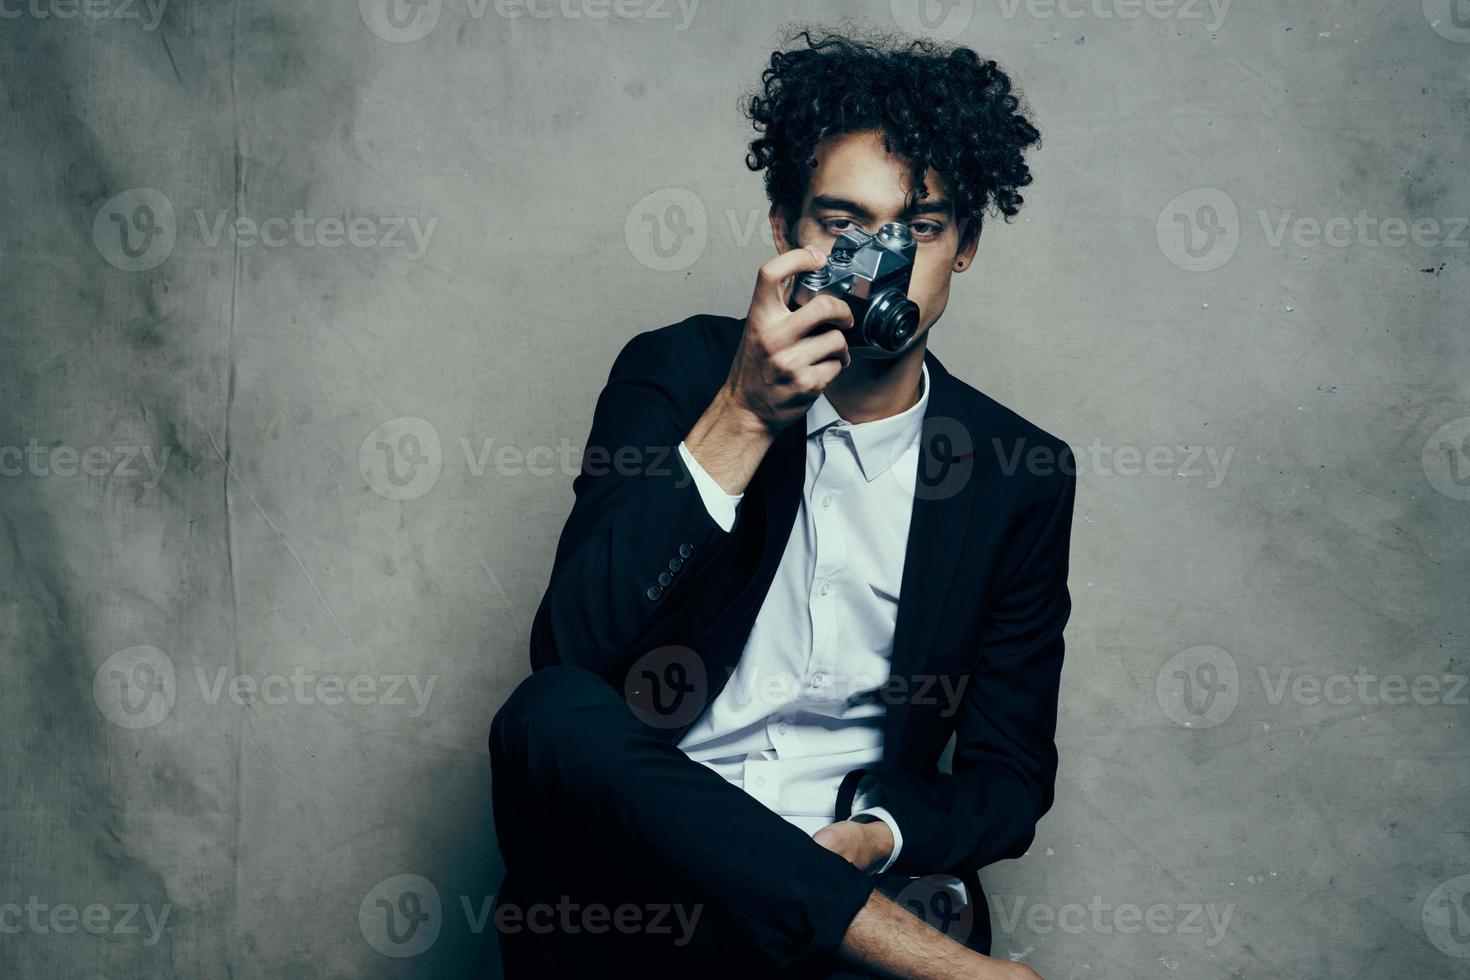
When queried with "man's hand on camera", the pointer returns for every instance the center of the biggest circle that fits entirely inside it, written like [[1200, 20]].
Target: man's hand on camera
[[787, 357], [785, 360]]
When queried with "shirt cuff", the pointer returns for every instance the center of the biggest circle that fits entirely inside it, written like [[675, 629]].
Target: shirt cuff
[[721, 505], [881, 814]]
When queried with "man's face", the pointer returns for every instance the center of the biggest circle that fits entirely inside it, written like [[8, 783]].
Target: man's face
[[859, 184]]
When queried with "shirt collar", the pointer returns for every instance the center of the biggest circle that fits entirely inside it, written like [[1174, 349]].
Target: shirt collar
[[878, 443]]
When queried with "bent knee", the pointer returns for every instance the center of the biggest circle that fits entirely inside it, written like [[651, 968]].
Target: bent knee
[[538, 709]]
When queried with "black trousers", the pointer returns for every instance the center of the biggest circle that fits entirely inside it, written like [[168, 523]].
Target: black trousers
[[622, 853]]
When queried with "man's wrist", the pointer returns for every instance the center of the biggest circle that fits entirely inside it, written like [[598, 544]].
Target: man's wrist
[[879, 838], [740, 414], [729, 440]]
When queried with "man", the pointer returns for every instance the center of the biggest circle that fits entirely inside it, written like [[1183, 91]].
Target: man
[[795, 567]]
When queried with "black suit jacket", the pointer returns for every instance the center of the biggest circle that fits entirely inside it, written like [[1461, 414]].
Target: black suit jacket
[[983, 599]]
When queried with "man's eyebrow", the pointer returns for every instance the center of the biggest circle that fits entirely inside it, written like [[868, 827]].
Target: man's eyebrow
[[936, 205], [933, 205]]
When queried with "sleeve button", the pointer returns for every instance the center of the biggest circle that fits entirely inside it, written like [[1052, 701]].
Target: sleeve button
[[654, 592], [685, 550], [675, 564], [664, 578]]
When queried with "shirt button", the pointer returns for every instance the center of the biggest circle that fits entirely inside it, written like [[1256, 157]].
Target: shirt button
[[781, 728], [827, 500], [826, 587], [759, 780]]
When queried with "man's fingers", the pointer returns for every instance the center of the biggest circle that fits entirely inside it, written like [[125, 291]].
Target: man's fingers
[[823, 311], [773, 273], [819, 347]]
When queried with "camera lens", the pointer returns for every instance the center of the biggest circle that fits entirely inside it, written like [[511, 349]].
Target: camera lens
[[892, 320], [895, 234]]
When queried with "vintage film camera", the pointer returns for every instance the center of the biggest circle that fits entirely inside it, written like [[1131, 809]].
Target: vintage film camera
[[871, 274]]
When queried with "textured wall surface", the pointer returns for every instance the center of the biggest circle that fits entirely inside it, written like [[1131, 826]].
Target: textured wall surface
[[303, 312]]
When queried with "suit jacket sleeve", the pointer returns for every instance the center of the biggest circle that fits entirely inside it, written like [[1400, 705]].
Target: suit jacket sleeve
[[1005, 760], [637, 513]]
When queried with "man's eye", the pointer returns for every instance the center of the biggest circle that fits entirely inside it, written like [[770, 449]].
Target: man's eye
[[925, 229], [837, 226]]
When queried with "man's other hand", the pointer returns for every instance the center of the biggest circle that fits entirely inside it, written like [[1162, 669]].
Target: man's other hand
[[866, 844]]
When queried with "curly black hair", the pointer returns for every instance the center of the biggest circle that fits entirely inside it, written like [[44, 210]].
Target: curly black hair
[[935, 105]]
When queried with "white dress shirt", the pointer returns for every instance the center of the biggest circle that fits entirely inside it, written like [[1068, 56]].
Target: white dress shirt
[[785, 728]]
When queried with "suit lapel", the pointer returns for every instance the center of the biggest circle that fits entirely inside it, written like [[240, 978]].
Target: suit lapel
[[944, 495]]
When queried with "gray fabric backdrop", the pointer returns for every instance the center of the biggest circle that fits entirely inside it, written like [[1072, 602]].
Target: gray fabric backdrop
[[279, 495]]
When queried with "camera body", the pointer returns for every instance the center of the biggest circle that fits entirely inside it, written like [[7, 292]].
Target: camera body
[[871, 274]]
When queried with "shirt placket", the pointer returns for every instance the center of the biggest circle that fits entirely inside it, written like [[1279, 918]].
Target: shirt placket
[[829, 572], [836, 470]]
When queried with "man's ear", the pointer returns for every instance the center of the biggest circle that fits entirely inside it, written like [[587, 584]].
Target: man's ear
[[779, 231]]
